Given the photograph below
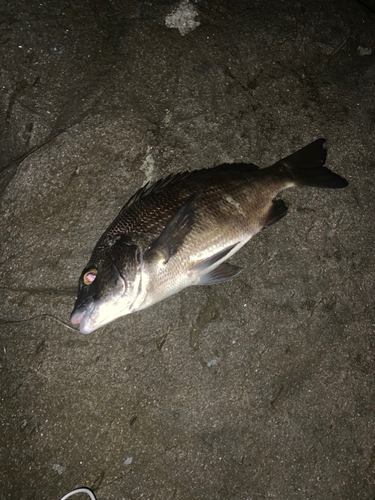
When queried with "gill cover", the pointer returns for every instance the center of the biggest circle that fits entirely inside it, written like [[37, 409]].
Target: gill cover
[[107, 286]]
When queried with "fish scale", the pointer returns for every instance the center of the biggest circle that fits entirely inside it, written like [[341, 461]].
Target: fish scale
[[181, 230]]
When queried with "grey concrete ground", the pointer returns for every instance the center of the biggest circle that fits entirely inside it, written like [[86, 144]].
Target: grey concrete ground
[[259, 388]]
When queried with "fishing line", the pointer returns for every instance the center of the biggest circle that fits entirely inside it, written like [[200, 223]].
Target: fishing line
[[36, 317]]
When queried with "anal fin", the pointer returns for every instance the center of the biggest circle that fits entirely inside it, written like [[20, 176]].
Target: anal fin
[[277, 211]]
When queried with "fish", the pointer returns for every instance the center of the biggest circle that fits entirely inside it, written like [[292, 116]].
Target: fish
[[181, 230]]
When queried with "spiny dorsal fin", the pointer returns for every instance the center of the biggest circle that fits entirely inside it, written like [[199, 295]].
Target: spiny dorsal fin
[[173, 178], [235, 167], [155, 187]]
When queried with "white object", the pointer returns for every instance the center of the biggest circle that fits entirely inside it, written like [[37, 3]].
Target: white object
[[80, 490]]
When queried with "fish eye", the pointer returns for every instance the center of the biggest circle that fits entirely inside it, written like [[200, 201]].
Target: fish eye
[[89, 276]]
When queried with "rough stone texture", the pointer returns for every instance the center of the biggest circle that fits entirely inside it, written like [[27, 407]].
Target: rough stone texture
[[259, 388]]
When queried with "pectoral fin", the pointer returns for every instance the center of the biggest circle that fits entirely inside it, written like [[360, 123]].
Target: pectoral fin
[[176, 230]]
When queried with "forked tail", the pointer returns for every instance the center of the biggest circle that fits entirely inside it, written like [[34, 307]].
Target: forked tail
[[306, 167]]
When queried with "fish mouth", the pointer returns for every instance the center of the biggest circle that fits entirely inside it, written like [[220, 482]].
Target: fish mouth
[[81, 316]]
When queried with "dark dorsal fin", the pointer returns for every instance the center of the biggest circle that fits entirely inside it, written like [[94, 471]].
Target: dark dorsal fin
[[173, 178], [236, 167], [155, 187]]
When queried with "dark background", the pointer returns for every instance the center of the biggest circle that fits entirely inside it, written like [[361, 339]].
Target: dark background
[[260, 388]]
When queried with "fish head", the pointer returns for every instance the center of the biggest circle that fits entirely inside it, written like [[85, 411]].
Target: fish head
[[108, 286]]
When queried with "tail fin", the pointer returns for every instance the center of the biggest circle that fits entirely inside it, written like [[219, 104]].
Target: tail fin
[[307, 167]]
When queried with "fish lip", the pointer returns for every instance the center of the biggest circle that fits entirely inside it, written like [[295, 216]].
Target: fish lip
[[81, 314], [77, 316], [86, 318], [85, 329]]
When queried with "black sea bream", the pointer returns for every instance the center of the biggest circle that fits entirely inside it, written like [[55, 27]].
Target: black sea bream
[[181, 231]]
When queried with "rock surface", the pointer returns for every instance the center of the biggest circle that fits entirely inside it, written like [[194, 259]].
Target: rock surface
[[262, 387]]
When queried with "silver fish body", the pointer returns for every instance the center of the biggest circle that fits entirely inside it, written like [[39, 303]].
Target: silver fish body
[[180, 231]]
